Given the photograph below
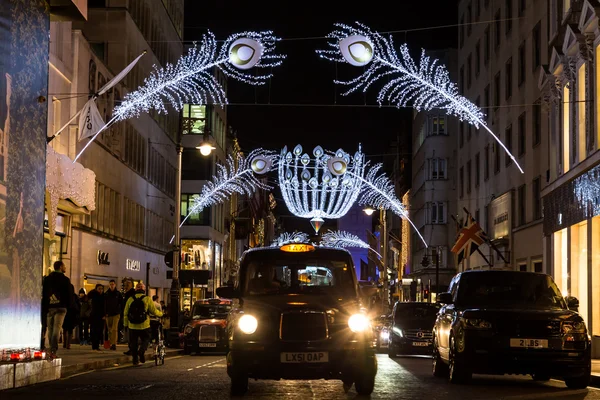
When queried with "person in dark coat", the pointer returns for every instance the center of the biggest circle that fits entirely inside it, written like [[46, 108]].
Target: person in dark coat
[[113, 306], [84, 317], [71, 319], [97, 318], [56, 299]]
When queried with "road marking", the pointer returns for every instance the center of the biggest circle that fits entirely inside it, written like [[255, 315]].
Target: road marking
[[145, 387], [74, 375], [190, 369]]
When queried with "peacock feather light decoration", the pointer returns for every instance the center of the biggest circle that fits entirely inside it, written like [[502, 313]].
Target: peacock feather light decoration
[[344, 239], [426, 84]]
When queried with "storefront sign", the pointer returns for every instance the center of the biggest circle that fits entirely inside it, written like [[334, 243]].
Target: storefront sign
[[155, 270], [102, 258], [133, 265], [500, 216]]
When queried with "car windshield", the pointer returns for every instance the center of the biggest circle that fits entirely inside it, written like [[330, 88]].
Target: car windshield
[[509, 289], [298, 274], [202, 311], [417, 311]]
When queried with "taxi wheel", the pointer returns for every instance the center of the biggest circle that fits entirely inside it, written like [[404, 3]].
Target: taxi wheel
[[541, 377], [458, 371], [347, 385], [365, 385], [239, 384]]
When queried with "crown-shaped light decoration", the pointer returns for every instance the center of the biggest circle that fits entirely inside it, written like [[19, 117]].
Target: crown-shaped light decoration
[[425, 84], [320, 187], [286, 237]]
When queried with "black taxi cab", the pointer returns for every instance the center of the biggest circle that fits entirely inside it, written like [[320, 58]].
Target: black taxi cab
[[299, 316], [497, 322], [206, 332]]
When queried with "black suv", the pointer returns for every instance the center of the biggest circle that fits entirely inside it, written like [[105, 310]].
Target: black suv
[[299, 317], [497, 322], [412, 328]]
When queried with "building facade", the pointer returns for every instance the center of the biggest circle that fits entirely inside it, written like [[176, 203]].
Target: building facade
[[499, 64], [135, 161], [571, 88]]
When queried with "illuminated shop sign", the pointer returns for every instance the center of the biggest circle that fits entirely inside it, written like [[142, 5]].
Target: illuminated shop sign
[[133, 265]]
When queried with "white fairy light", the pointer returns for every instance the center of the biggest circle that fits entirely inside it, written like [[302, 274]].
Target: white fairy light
[[230, 179], [323, 187], [426, 85], [587, 192], [379, 192], [286, 237], [343, 239], [192, 81]]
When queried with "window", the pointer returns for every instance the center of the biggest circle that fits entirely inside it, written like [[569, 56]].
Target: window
[[486, 99], [461, 33], [477, 58], [566, 7], [477, 215], [521, 204], [437, 125], [469, 70], [486, 46], [508, 16], [523, 267], [461, 175], [496, 158], [486, 163], [477, 169], [476, 7], [538, 266], [462, 80], [497, 27], [437, 168], [201, 217], [161, 173], [522, 7], [537, 46], [135, 152], [566, 136], [469, 26], [508, 79], [496, 91], [522, 64], [468, 176], [536, 197], [581, 106], [522, 134], [437, 213], [508, 144], [195, 166], [194, 119], [537, 123]]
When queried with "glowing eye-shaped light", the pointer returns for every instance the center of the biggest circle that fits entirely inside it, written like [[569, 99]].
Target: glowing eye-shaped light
[[337, 166], [357, 50], [245, 53], [261, 165]]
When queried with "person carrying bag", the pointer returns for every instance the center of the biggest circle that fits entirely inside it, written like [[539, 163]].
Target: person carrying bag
[[136, 318]]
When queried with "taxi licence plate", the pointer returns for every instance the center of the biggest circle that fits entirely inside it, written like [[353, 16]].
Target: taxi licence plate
[[529, 343], [420, 344], [312, 357], [207, 345]]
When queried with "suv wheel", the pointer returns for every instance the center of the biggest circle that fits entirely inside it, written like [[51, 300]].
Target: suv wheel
[[458, 371], [440, 369], [239, 383], [581, 382]]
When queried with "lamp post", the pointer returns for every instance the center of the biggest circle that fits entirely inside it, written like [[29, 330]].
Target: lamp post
[[175, 289], [383, 220]]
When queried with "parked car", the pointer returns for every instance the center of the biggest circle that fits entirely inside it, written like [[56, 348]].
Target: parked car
[[381, 331], [497, 322], [299, 317], [206, 330], [412, 328]]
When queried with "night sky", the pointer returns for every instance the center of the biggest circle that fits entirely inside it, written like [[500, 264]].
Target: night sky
[[301, 104]]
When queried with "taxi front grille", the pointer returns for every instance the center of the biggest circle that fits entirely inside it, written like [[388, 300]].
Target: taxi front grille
[[208, 333], [303, 326]]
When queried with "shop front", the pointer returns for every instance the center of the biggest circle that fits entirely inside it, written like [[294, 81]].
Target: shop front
[[572, 240], [97, 260], [202, 255]]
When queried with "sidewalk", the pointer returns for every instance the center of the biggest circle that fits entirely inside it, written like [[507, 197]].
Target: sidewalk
[[595, 381], [83, 358]]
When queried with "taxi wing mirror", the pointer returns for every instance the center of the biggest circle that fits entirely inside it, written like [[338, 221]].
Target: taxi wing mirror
[[445, 298], [228, 292]]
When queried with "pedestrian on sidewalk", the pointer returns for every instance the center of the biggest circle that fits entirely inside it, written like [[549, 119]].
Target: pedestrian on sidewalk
[[113, 303], [129, 292], [84, 317], [137, 311], [97, 316], [71, 319], [56, 299]]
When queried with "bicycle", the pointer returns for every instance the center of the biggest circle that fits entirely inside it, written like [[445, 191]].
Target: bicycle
[[159, 347]]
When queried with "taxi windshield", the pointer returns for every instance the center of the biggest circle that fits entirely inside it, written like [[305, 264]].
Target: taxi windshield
[[202, 311], [270, 277]]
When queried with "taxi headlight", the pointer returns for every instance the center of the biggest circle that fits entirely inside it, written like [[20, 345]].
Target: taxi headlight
[[188, 329], [247, 324], [358, 323]]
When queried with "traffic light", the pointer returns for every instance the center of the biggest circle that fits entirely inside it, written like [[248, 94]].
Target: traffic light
[[426, 293]]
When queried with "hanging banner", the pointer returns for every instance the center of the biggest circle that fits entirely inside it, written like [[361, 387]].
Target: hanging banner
[[90, 120], [119, 77]]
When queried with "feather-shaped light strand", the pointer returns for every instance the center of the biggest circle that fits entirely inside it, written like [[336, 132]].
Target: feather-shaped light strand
[[192, 81], [286, 237], [379, 192], [426, 85], [345, 239], [236, 176]]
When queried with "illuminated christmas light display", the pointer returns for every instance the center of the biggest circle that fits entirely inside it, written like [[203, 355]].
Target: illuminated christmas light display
[[286, 237], [343, 239], [191, 80], [426, 85], [324, 186]]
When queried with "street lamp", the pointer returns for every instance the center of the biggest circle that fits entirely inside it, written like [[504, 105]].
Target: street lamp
[[205, 146], [368, 210]]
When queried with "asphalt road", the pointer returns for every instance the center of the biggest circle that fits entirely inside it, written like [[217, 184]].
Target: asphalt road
[[205, 377]]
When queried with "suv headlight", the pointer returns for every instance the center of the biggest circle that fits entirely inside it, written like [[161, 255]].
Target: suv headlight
[[247, 324], [188, 329], [573, 327], [358, 323], [476, 323]]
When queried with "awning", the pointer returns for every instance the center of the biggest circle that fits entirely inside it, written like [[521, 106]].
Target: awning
[[69, 186]]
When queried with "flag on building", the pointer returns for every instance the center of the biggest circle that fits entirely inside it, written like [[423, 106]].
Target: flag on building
[[470, 237]]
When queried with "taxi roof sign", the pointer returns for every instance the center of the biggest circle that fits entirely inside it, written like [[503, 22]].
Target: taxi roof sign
[[297, 248]]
